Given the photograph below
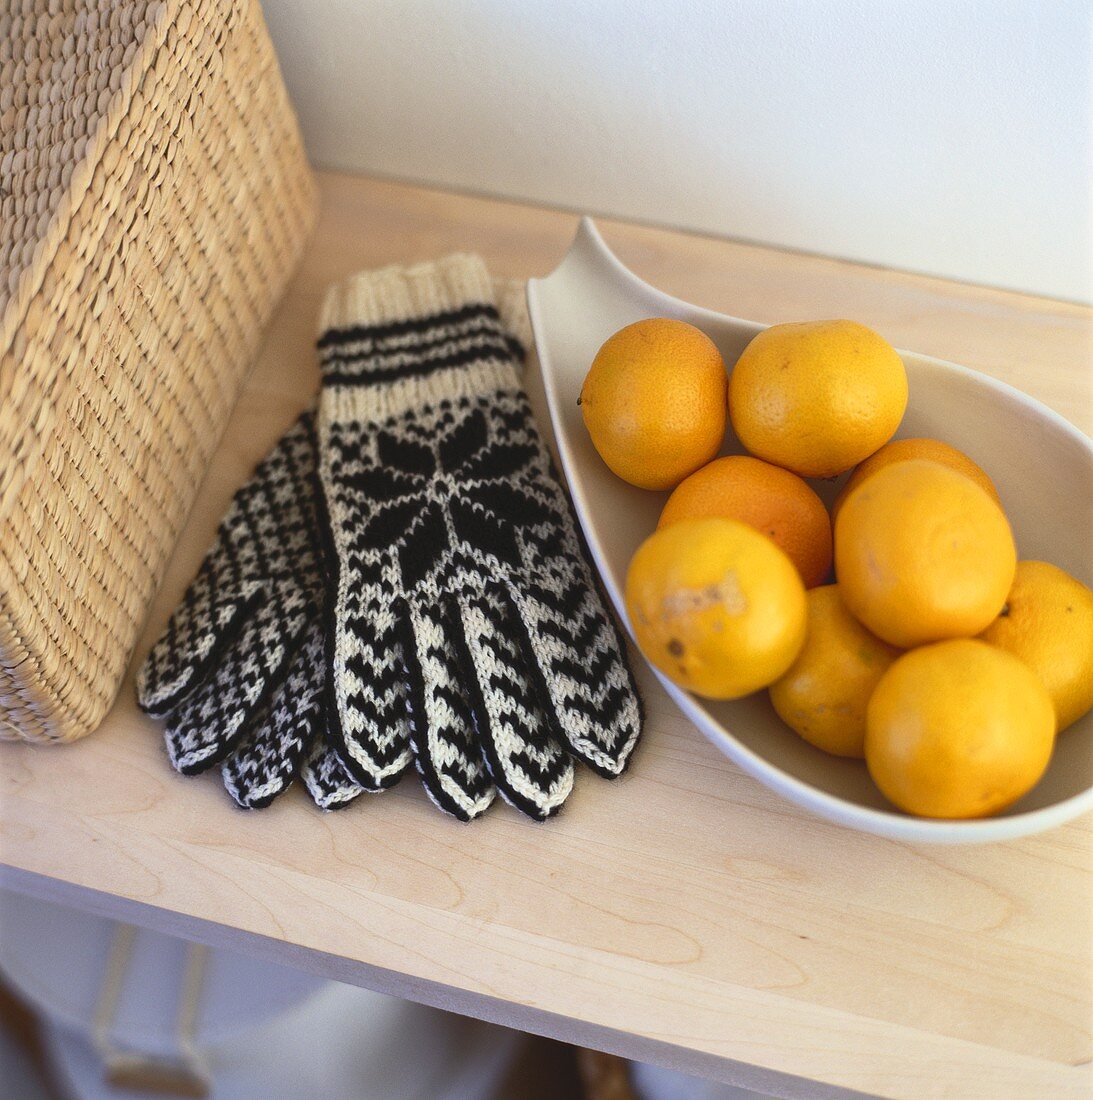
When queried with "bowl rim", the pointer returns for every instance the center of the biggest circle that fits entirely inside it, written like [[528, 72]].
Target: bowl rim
[[893, 824]]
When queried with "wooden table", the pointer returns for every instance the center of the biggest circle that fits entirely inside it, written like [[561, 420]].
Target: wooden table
[[684, 915]]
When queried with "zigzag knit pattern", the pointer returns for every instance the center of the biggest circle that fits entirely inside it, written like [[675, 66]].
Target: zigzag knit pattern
[[238, 674], [465, 628]]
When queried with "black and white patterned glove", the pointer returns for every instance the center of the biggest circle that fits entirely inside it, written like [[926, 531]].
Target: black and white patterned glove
[[463, 625], [239, 672]]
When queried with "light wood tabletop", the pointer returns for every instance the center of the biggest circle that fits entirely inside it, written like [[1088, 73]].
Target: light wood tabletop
[[683, 915]]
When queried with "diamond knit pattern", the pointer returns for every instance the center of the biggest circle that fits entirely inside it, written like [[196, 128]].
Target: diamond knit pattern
[[465, 629], [238, 674]]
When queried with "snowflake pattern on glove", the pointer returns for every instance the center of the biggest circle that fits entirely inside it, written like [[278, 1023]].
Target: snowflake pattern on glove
[[464, 485]]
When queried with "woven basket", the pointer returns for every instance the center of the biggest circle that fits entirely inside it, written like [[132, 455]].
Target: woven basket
[[154, 198]]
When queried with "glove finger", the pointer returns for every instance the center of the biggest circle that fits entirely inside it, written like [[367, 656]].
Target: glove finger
[[441, 722], [203, 626], [531, 770], [366, 696], [272, 748], [331, 787], [202, 730], [209, 722], [578, 660]]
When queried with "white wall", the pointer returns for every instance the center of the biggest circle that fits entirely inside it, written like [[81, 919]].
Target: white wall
[[946, 136]]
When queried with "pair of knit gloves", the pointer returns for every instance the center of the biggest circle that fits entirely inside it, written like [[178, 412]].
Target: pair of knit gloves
[[401, 582]]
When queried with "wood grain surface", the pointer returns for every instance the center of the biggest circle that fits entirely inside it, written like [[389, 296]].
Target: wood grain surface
[[684, 914]]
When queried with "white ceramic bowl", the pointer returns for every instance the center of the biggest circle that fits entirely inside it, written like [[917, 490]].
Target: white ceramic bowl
[[1042, 466]]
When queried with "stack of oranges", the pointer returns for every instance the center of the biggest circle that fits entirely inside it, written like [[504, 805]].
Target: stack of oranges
[[930, 651]]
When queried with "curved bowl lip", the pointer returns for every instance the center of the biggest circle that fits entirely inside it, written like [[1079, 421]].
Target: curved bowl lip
[[887, 823]]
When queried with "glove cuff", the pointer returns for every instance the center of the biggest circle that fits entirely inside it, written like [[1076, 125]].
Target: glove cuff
[[512, 304], [389, 295], [405, 337]]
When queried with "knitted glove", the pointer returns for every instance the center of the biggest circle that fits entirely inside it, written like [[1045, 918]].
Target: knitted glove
[[464, 625], [239, 672]]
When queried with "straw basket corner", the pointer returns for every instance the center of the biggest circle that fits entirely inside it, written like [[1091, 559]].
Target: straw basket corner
[[154, 199]]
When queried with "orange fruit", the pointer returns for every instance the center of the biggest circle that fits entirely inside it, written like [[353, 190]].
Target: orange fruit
[[922, 553], [772, 500], [716, 606], [824, 694], [817, 397], [1047, 622], [900, 449], [654, 402], [958, 729]]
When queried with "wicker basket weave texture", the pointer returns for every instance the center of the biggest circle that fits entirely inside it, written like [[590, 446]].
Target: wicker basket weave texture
[[154, 199]]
